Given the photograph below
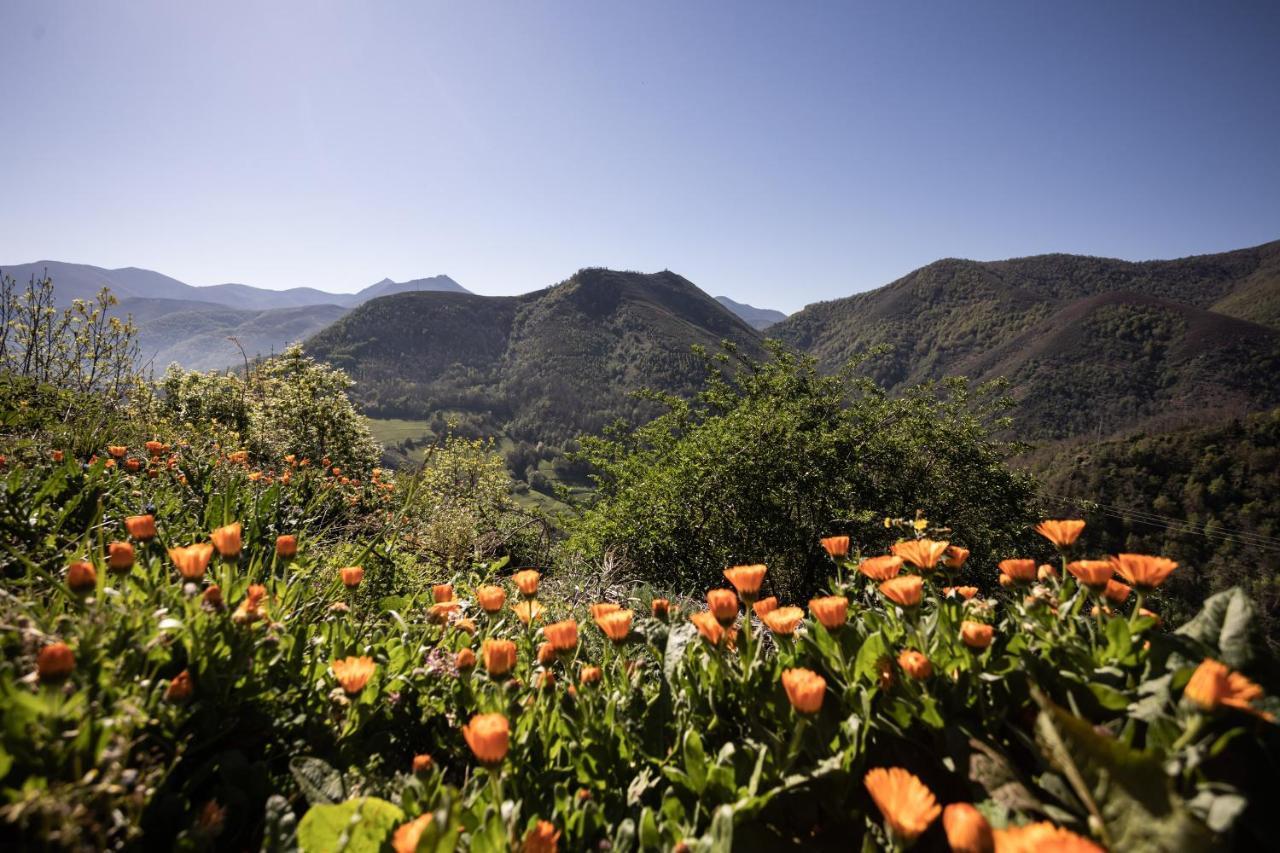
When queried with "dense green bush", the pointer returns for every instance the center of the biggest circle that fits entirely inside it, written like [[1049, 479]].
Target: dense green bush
[[761, 464]]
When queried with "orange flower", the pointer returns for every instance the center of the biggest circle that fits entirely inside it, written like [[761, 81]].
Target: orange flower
[[117, 451], [616, 625], [192, 560], [1213, 684], [499, 656], [528, 611], [784, 620], [56, 456], [353, 673], [904, 591], [491, 598], [965, 592], [546, 654], [543, 838], [180, 687], [831, 611], [227, 540], [440, 612], [708, 626], [1146, 573], [286, 547], [442, 592], [921, 553], [133, 466], [468, 625], [55, 661], [239, 457], [119, 556], [976, 635], [408, 835], [881, 568], [967, 830], [661, 608], [488, 736], [141, 527], [526, 581], [1042, 838], [82, 577], [1046, 572], [1092, 573], [598, 610], [1116, 592], [351, 576], [251, 610], [907, 803], [836, 546], [563, 636], [1061, 532], [915, 664], [465, 659], [211, 600], [805, 689], [746, 580], [1018, 571], [723, 604], [155, 448], [955, 558], [765, 606]]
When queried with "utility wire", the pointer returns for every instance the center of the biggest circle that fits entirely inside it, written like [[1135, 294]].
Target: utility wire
[[1243, 537]]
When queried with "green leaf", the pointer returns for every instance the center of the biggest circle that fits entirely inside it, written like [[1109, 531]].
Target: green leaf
[[356, 826], [1228, 623], [649, 837], [865, 665], [695, 761], [721, 835], [1109, 697], [280, 834], [678, 638], [320, 783]]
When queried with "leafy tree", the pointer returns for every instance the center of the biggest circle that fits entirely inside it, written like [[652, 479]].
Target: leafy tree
[[773, 455]]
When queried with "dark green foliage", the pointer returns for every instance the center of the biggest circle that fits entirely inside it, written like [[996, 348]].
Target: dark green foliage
[[757, 469]]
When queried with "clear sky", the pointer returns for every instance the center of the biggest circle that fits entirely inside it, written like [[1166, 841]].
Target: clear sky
[[779, 153]]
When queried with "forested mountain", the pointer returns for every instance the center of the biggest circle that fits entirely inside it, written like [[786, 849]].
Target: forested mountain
[[547, 365], [757, 318], [1091, 345]]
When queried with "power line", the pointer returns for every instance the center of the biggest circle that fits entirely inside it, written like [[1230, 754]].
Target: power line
[[1179, 525]]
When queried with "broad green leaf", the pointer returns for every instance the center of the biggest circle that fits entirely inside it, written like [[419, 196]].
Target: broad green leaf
[[1228, 623], [356, 826], [320, 783]]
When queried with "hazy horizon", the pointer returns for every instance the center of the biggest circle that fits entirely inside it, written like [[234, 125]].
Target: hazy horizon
[[778, 155]]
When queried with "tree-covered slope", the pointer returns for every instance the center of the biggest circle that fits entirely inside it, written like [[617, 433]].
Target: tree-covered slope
[[544, 366], [1086, 341]]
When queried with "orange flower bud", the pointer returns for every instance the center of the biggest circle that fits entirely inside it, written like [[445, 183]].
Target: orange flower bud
[[907, 804], [590, 674], [881, 568], [708, 626], [491, 598], [546, 654], [488, 736], [351, 576], [526, 581], [955, 557], [55, 661], [831, 611], [616, 625], [442, 592], [286, 546], [723, 604], [805, 689], [1018, 571], [765, 606], [408, 835], [227, 540], [976, 635], [119, 556], [117, 451], [141, 527], [543, 838], [465, 659], [967, 830], [180, 688], [528, 611], [499, 657], [422, 763], [1116, 592], [661, 608], [82, 577], [915, 664], [784, 620]]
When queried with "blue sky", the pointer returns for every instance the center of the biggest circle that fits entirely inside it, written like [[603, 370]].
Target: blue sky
[[780, 153]]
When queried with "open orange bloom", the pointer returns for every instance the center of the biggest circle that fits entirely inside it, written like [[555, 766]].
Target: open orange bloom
[[1018, 571], [1145, 573], [1061, 532], [442, 592], [967, 830], [526, 580], [156, 448], [351, 576], [723, 604], [1213, 684], [488, 736], [407, 835], [907, 803], [82, 577], [1092, 573], [660, 608], [805, 689], [746, 580], [1116, 592], [765, 606], [965, 592], [955, 558], [881, 568], [915, 664], [598, 610], [836, 546], [180, 688], [286, 546], [464, 659], [590, 674], [227, 540], [55, 661], [527, 611], [563, 636], [192, 560], [546, 654], [117, 451], [784, 620], [353, 673], [499, 656], [616, 625], [708, 626], [1042, 838], [921, 553], [976, 635], [543, 838], [904, 591], [491, 598], [442, 611], [141, 527], [831, 611]]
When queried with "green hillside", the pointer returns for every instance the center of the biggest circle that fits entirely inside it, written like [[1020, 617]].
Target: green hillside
[[545, 366]]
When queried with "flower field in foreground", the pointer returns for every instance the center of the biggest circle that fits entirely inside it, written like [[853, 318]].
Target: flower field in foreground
[[193, 659]]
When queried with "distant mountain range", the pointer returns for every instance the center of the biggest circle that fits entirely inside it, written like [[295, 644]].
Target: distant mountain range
[[547, 365], [757, 318]]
